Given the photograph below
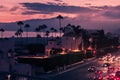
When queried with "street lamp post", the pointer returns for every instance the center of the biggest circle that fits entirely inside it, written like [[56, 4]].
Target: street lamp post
[[10, 64], [90, 47], [91, 40]]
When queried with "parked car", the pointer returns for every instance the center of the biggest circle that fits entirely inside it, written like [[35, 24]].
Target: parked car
[[98, 72], [92, 69], [111, 69], [106, 65], [110, 77], [98, 77], [117, 74]]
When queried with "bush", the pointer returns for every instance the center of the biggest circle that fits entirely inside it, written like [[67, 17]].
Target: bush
[[61, 60]]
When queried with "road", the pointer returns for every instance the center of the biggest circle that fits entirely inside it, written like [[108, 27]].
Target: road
[[80, 72]]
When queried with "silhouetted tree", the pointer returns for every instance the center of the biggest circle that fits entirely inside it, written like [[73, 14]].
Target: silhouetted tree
[[55, 31], [52, 30], [47, 34], [27, 26], [19, 32], [20, 23], [2, 30], [37, 31], [43, 28], [76, 32], [16, 33], [59, 17]]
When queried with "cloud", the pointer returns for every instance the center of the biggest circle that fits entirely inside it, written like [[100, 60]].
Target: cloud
[[35, 12], [88, 4], [1, 6], [10, 9], [58, 3], [15, 8], [58, 0], [51, 8], [111, 12], [100, 7]]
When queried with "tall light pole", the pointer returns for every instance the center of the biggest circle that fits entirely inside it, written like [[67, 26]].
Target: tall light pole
[[10, 64], [91, 40]]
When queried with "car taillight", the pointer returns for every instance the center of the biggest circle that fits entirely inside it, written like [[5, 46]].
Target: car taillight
[[100, 77], [94, 52], [112, 76], [117, 78]]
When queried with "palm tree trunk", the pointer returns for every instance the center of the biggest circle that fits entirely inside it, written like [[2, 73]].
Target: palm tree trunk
[[60, 26], [75, 44], [27, 34], [1, 34], [21, 33], [66, 42]]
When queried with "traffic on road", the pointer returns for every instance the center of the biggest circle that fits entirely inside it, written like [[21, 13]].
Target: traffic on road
[[104, 68]]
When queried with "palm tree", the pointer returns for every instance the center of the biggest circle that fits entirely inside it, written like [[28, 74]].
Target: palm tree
[[84, 39], [19, 32], [55, 31], [59, 17], [37, 31], [52, 30], [2, 30], [47, 34], [76, 32], [20, 23], [27, 26], [43, 28], [67, 30], [16, 34]]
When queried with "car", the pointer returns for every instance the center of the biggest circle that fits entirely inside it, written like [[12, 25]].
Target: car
[[118, 59], [92, 69], [111, 69], [117, 74], [101, 59], [110, 77], [98, 77], [109, 54], [98, 72], [106, 65]]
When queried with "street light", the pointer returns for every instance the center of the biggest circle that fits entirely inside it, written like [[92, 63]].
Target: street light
[[9, 58], [90, 40], [10, 64]]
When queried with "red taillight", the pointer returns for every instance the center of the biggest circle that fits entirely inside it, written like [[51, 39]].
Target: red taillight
[[94, 52], [98, 72], [100, 77], [117, 78]]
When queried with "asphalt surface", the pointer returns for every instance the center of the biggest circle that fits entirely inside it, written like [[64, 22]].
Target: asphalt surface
[[79, 72]]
